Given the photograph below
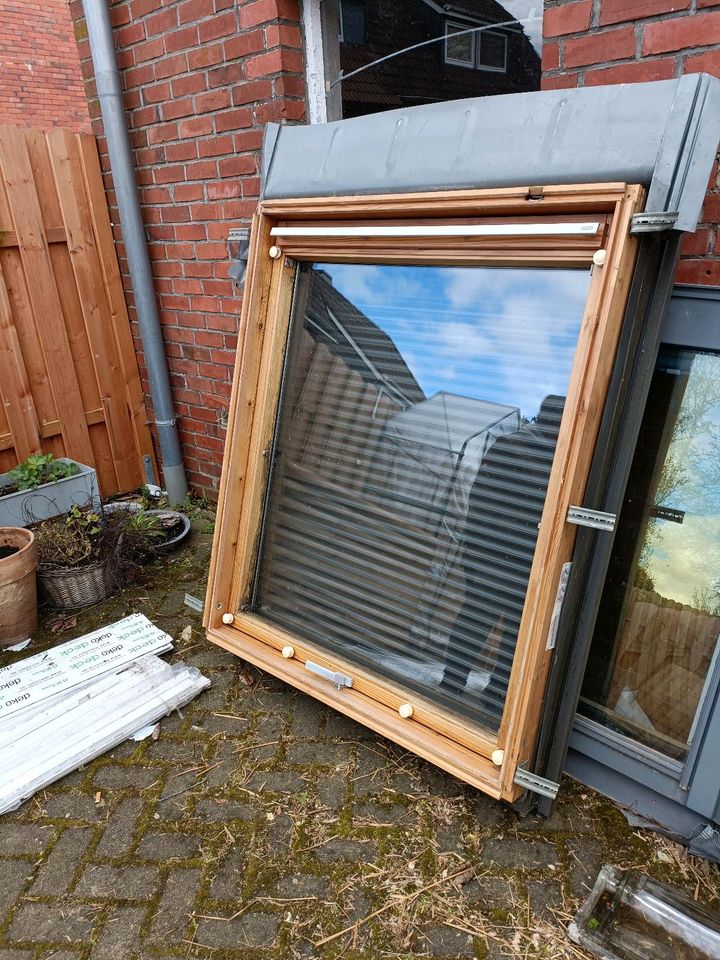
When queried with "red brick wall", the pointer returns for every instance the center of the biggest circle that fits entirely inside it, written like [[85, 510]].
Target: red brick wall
[[588, 42], [40, 80], [201, 79]]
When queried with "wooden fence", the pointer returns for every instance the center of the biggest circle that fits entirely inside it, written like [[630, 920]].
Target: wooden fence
[[69, 381], [664, 652]]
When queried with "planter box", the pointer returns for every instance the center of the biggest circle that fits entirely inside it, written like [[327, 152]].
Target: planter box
[[26, 507]]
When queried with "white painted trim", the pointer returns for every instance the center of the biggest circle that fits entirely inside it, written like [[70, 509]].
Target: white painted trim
[[58, 740], [483, 66], [473, 37], [47, 675], [454, 230], [314, 62]]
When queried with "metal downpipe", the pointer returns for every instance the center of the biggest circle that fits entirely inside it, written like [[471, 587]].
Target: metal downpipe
[[109, 90]]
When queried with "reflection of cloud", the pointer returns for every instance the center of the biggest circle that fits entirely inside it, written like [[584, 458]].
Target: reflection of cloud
[[371, 285], [356, 285], [506, 335], [687, 558], [464, 339], [530, 326]]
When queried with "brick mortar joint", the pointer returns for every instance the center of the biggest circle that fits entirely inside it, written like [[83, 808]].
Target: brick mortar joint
[[597, 28]]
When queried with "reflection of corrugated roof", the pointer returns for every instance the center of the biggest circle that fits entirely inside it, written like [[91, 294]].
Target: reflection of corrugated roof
[[447, 420], [358, 341]]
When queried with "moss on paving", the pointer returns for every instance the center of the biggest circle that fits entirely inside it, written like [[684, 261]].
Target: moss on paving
[[327, 826]]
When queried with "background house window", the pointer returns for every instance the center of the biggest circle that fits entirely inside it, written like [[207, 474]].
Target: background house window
[[484, 50], [352, 21], [379, 56], [459, 45], [492, 53]]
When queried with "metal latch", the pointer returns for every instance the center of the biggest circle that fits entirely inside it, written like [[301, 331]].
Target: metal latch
[[536, 784], [583, 517], [339, 679]]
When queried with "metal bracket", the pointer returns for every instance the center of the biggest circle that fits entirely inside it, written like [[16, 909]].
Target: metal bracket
[[667, 513], [653, 222], [238, 249], [194, 603], [599, 519], [339, 679], [150, 477], [536, 784]]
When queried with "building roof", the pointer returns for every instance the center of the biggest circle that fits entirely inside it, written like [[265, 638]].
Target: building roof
[[349, 334]]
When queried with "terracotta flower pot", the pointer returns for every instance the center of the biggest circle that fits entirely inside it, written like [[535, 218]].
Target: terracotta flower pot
[[18, 590]]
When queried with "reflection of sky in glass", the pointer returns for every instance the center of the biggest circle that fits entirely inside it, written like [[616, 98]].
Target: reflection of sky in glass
[[684, 559], [506, 335]]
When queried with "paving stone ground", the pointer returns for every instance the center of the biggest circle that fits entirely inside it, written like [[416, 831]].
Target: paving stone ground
[[262, 825]]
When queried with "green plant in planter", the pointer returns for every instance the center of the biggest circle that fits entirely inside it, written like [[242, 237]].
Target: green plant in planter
[[145, 524], [121, 539], [40, 468], [70, 541]]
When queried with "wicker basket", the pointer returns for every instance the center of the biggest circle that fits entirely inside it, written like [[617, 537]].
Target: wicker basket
[[76, 586]]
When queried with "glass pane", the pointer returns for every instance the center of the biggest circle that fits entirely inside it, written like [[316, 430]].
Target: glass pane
[[408, 52], [419, 419], [459, 46], [657, 635], [352, 21], [492, 50]]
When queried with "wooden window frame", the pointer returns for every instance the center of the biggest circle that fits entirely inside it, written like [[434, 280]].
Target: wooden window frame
[[485, 761]]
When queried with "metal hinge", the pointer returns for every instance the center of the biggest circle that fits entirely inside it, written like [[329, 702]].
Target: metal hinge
[[599, 519], [536, 784], [339, 679], [653, 222]]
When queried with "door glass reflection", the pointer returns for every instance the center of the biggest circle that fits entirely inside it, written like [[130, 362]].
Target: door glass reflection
[[657, 635], [419, 417]]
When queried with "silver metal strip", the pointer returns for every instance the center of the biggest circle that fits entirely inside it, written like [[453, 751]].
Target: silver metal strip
[[339, 679], [557, 608], [584, 517], [194, 603], [653, 222], [445, 230], [536, 784]]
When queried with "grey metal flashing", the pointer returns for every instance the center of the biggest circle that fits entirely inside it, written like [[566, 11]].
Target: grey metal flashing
[[663, 135], [693, 317], [687, 152], [628, 757], [641, 799]]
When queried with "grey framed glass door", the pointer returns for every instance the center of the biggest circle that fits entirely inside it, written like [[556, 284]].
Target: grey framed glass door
[[649, 709]]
